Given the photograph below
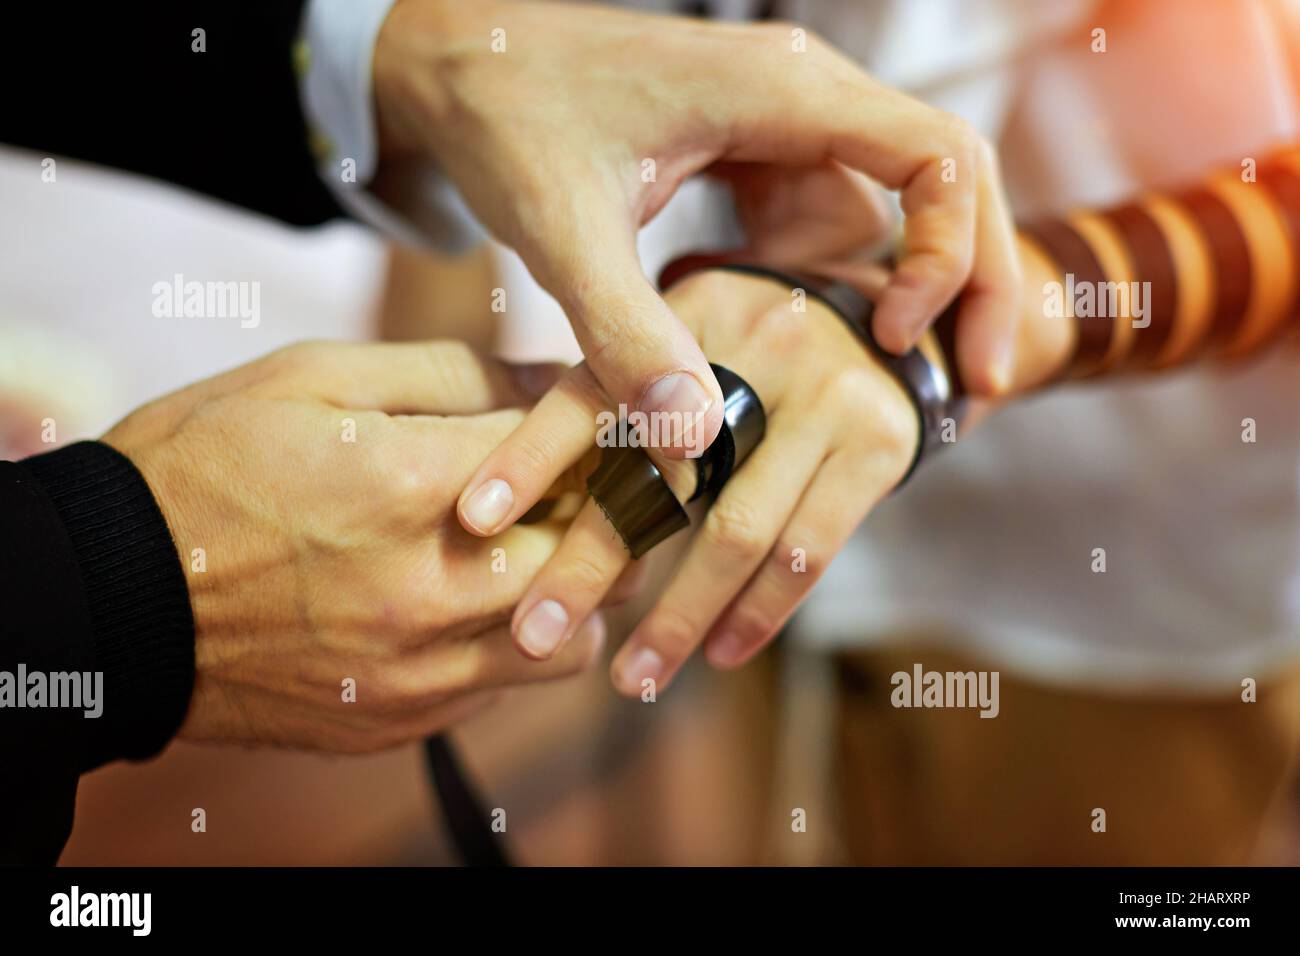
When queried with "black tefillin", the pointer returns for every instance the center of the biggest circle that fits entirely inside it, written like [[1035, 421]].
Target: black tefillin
[[632, 492]]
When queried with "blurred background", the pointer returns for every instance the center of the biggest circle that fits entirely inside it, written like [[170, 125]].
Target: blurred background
[[1118, 691]]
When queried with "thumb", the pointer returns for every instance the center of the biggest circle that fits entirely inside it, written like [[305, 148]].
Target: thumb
[[642, 354]]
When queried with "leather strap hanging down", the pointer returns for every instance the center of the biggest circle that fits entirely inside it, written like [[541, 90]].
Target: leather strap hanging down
[[467, 824]]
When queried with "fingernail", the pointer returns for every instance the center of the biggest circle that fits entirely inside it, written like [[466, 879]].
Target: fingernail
[[488, 506], [641, 665], [895, 339], [542, 629], [726, 651], [678, 394]]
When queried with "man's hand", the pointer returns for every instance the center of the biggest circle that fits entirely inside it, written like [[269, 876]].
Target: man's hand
[[311, 495], [568, 127]]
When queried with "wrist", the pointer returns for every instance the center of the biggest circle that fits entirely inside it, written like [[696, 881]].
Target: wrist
[[413, 59], [1046, 338]]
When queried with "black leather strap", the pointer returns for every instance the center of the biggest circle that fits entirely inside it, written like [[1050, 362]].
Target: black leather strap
[[636, 499], [467, 823], [744, 422], [634, 495]]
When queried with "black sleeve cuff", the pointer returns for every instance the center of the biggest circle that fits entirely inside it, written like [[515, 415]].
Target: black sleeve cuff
[[141, 625]]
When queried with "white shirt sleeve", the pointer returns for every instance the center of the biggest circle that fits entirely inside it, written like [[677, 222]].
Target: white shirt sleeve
[[337, 44]]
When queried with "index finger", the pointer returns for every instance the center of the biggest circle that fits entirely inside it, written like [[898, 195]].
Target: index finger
[[554, 437]]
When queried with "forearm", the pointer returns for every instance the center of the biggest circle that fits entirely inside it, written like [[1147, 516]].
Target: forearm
[[1212, 271]]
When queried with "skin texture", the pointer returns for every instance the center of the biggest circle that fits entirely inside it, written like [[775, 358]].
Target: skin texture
[[841, 433], [548, 141], [328, 559]]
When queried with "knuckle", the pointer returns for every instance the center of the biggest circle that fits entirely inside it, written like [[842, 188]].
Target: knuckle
[[856, 387], [672, 633], [409, 482], [416, 609], [882, 452], [582, 390], [454, 365], [961, 136], [754, 628], [812, 562], [405, 471], [456, 673], [300, 355], [533, 454], [450, 352], [734, 528], [896, 430], [431, 612], [780, 327], [584, 576], [949, 259], [707, 286], [386, 690]]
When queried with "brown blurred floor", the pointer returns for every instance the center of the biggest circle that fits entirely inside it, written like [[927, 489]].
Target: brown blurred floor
[[1182, 781]]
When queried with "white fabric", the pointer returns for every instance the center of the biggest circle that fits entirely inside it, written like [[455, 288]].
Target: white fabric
[[338, 100], [336, 89]]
